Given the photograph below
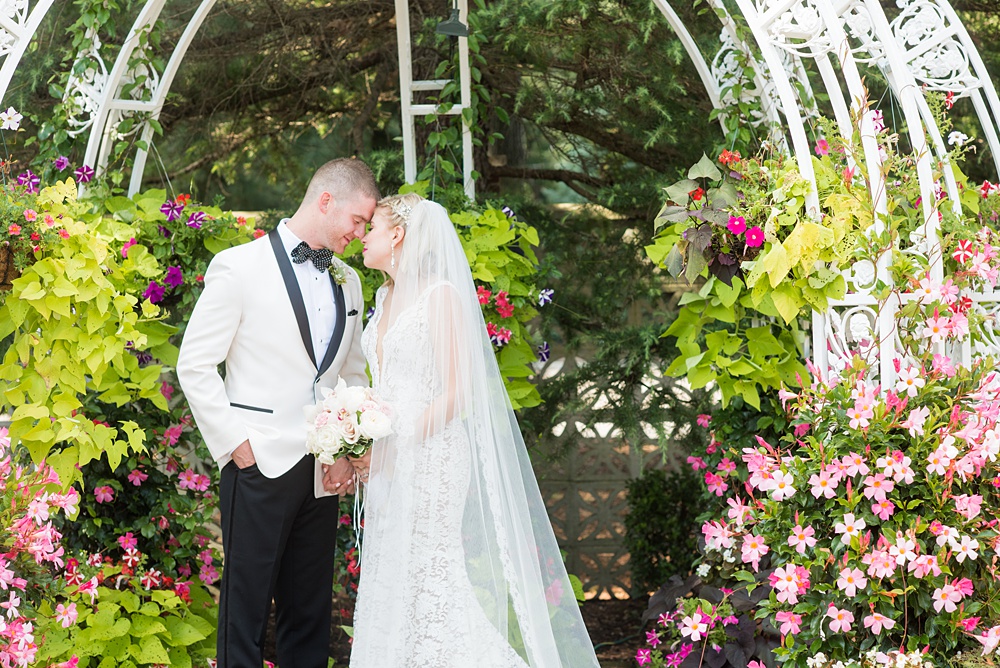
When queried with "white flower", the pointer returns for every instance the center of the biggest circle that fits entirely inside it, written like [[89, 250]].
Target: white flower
[[350, 398], [349, 430], [703, 570], [781, 487], [816, 661], [966, 549], [11, 119], [957, 138], [374, 424]]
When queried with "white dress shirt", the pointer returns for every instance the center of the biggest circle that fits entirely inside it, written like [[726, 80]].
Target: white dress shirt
[[317, 294]]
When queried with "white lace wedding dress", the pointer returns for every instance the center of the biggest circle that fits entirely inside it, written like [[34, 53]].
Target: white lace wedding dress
[[417, 607]]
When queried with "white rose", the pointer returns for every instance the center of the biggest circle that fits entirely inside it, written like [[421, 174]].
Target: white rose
[[349, 431], [351, 398], [375, 425]]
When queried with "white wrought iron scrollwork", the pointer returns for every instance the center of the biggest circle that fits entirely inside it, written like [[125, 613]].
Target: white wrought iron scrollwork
[[86, 85], [936, 56]]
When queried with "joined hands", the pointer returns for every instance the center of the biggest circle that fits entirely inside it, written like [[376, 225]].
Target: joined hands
[[338, 478]]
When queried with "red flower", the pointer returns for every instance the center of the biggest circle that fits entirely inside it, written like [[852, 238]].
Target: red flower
[[484, 295], [963, 251], [13, 229], [729, 157], [257, 234], [241, 220], [504, 307], [35, 236], [184, 199], [949, 100], [696, 194], [64, 233]]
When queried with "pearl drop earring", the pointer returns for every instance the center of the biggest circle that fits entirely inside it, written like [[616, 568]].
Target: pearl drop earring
[[392, 263]]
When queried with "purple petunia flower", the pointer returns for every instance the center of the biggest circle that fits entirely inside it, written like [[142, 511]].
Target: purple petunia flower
[[174, 277], [84, 174], [545, 296], [196, 219], [544, 352], [61, 163], [154, 293], [172, 210], [369, 313], [164, 231], [509, 212], [30, 180]]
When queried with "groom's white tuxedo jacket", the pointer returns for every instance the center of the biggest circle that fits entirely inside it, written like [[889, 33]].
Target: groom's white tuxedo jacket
[[251, 317]]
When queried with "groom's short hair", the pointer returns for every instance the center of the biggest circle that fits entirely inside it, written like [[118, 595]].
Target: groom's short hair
[[344, 178]]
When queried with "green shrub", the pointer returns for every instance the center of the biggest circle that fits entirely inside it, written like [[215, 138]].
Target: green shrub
[[661, 529]]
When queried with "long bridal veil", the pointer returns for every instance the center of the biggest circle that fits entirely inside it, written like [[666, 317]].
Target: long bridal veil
[[457, 449]]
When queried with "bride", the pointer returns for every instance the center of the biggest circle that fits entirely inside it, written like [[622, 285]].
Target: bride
[[459, 564]]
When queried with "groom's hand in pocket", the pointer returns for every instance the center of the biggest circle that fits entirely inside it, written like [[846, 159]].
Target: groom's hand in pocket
[[338, 477], [243, 455]]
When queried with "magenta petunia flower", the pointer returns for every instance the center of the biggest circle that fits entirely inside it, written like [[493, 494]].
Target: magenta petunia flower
[[822, 147], [29, 180], [737, 225], [154, 292], [61, 163], [196, 219], [128, 244], [84, 174], [174, 277], [755, 237], [172, 210]]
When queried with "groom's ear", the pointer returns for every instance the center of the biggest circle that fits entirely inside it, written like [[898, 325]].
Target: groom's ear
[[324, 202]]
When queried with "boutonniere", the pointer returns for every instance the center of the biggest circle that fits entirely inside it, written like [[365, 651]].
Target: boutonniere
[[339, 271]]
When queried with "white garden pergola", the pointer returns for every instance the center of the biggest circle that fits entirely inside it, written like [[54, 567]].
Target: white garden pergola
[[795, 45]]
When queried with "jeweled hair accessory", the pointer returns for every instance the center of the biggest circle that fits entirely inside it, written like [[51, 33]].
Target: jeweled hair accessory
[[401, 209]]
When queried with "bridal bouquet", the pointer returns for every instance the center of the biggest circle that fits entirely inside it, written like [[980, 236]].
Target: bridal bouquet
[[345, 422]]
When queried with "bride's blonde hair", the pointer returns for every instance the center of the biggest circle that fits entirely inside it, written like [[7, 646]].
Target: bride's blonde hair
[[400, 207]]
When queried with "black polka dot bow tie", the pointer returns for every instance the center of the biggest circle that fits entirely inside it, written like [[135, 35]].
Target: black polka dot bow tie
[[321, 257]]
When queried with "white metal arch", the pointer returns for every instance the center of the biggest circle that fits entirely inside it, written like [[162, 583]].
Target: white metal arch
[[17, 27]]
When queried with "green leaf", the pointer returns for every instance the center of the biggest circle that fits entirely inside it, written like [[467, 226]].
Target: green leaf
[[145, 626], [705, 169], [150, 650], [674, 262], [678, 192]]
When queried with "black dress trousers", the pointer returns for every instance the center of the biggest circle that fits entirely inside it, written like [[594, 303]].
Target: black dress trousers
[[279, 543]]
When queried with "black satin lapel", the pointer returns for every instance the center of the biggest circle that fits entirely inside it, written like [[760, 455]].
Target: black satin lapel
[[294, 294], [338, 330]]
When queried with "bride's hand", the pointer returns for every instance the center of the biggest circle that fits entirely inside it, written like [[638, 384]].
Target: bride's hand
[[362, 464], [338, 477]]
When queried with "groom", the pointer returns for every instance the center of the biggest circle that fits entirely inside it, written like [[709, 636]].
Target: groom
[[284, 327]]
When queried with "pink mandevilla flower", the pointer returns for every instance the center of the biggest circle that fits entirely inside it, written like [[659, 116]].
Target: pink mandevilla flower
[[104, 494], [840, 620], [801, 538], [790, 622], [876, 622], [850, 580]]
